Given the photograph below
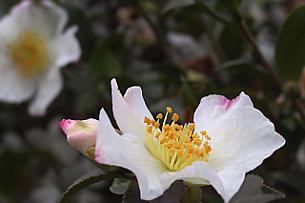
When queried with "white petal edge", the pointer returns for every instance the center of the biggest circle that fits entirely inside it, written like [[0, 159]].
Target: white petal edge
[[46, 17], [226, 182], [247, 137], [129, 116], [65, 48], [238, 131], [129, 152], [13, 87], [9, 30], [134, 98], [49, 86], [212, 106]]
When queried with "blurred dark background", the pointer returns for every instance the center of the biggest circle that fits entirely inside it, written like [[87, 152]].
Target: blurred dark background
[[177, 54]]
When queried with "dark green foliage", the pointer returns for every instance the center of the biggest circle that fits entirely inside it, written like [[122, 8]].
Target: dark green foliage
[[290, 47]]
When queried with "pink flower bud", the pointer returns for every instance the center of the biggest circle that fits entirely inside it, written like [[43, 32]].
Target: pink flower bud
[[81, 134]]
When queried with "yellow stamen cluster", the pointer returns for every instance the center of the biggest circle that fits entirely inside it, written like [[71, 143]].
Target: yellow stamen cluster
[[29, 52], [177, 146]]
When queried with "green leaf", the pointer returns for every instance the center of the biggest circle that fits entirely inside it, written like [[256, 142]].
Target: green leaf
[[232, 42], [254, 190], [105, 62], [232, 5], [188, 96], [120, 186], [290, 46], [291, 180], [84, 181]]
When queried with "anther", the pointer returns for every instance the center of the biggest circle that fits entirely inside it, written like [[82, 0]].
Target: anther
[[147, 120], [176, 126], [175, 117], [163, 140], [180, 153], [191, 126], [149, 129], [157, 135], [156, 124], [207, 147], [166, 127], [197, 141], [159, 116], [187, 140], [203, 132], [171, 135], [169, 145], [177, 145], [195, 135], [169, 109], [197, 152]]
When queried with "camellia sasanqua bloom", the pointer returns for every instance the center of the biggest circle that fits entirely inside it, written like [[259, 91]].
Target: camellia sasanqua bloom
[[227, 139], [33, 48], [81, 134]]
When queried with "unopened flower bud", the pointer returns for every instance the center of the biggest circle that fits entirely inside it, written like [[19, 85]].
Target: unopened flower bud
[[81, 134]]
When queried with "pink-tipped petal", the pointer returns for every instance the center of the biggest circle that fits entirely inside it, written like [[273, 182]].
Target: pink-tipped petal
[[241, 138], [81, 134]]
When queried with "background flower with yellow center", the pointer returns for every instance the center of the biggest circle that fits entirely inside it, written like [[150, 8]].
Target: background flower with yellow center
[[33, 48], [29, 52]]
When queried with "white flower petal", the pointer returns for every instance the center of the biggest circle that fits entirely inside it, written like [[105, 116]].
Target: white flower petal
[[246, 137], [65, 48], [199, 173], [231, 178], [135, 100], [129, 152], [9, 30], [13, 87], [46, 17], [213, 106], [242, 137], [49, 87], [238, 130], [129, 116]]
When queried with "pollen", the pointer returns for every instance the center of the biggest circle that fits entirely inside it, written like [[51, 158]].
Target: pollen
[[159, 116], [175, 117], [29, 53], [176, 146], [169, 109]]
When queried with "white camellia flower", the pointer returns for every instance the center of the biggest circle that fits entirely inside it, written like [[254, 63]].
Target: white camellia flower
[[33, 47], [227, 139]]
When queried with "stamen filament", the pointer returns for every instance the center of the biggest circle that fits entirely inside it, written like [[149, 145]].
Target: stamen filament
[[177, 146]]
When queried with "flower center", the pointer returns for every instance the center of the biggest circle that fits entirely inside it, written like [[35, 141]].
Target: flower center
[[29, 52], [177, 146]]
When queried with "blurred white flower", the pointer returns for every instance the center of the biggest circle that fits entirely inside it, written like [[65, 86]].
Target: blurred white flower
[[33, 48], [227, 139]]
